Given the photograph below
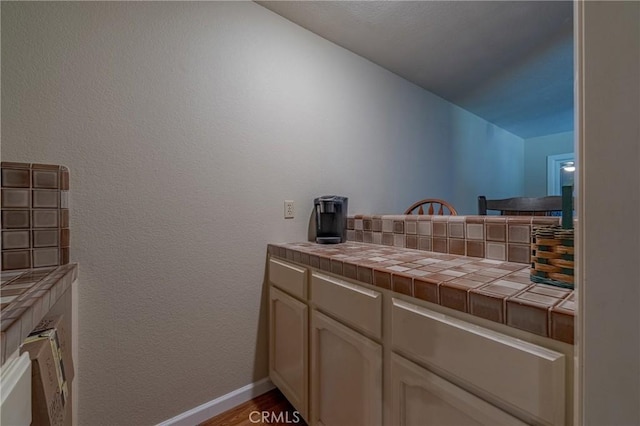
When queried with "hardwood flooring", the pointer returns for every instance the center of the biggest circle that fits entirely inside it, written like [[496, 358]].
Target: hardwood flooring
[[272, 407]]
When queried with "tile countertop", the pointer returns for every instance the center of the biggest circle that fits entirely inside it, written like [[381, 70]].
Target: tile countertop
[[25, 298], [490, 289]]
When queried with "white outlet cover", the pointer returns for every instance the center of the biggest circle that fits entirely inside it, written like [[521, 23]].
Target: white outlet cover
[[288, 209]]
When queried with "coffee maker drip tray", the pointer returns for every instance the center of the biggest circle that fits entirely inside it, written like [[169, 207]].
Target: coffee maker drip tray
[[328, 240]]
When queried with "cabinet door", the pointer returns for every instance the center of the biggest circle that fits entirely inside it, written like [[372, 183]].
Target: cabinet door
[[346, 375], [421, 398], [288, 348]]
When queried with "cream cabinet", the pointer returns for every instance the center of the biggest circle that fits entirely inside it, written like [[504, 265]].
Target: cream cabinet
[[288, 348], [421, 398], [525, 378], [288, 277], [346, 375], [333, 340], [289, 333], [343, 385], [358, 307]]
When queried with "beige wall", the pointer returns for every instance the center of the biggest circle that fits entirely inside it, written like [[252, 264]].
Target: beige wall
[[185, 126], [608, 105]]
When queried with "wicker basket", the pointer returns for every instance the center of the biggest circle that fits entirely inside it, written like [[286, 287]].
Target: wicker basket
[[552, 256]]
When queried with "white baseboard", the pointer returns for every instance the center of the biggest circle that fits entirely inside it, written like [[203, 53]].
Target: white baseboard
[[219, 405]]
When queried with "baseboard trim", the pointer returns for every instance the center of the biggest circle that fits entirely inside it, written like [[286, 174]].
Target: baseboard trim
[[219, 405]]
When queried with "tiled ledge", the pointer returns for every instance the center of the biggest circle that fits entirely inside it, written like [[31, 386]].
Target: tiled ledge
[[35, 215], [26, 297], [504, 238], [491, 289]]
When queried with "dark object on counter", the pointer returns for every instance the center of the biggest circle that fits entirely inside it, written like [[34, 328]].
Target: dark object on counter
[[522, 206], [441, 204], [567, 207], [331, 219]]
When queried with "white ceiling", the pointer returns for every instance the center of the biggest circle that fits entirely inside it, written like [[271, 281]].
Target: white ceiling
[[510, 62]]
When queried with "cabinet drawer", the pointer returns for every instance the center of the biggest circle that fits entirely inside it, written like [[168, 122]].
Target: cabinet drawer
[[289, 278], [527, 378], [355, 305]]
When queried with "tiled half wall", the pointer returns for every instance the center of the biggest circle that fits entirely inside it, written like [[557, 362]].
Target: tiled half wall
[[504, 238], [35, 215]]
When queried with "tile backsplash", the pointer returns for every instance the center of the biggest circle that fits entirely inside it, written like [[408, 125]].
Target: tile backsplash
[[504, 238], [35, 215]]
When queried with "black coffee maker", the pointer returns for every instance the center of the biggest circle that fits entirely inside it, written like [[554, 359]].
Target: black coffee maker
[[331, 219]]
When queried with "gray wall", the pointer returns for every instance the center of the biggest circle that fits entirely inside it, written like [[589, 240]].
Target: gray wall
[[536, 151], [185, 126]]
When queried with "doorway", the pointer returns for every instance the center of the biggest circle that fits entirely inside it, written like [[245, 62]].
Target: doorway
[[560, 170]]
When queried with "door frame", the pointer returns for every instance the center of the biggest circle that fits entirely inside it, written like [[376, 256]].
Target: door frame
[[554, 163], [607, 70]]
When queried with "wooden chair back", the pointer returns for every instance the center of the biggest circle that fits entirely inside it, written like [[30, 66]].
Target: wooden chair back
[[426, 206], [522, 206]]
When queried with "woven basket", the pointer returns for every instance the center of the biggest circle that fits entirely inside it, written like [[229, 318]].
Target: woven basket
[[552, 256]]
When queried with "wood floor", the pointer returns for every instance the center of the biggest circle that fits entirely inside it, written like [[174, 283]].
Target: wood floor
[[276, 409]]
